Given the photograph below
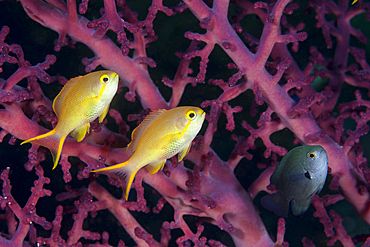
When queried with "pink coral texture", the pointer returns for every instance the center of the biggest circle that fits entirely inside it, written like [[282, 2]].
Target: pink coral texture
[[270, 75]]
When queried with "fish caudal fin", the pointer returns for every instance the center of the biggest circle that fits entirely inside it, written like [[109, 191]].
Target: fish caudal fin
[[276, 203], [124, 172], [52, 141]]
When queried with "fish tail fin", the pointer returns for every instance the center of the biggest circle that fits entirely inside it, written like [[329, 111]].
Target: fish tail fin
[[124, 172], [52, 141], [276, 203]]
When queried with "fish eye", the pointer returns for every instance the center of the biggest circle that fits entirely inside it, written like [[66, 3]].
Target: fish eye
[[104, 79], [311, 155], [191, 115]]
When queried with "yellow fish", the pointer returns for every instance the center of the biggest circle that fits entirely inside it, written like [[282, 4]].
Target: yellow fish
[[80, 102], [355, 1], [161, 135]]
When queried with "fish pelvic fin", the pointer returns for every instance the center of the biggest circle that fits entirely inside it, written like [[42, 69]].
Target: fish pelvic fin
[[300, 207], [104, 114], [52, 141], [276, 203], [183, 152], [124, 172]]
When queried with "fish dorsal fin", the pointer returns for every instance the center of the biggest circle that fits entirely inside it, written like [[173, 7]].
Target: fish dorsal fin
[[140, 130], [57, 103]]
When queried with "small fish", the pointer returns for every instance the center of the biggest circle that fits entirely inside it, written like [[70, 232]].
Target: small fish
[[354, 1], [162, 134], [300, 174], [80, 102]]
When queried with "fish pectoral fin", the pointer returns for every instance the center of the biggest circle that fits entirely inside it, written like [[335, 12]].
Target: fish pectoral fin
[[181, 155], [153, 168], [295, 176], [123, 172], [276, 203], [80, 132], [129, 148], [103, 114], [300, 207], [52, 141], [86, 104]]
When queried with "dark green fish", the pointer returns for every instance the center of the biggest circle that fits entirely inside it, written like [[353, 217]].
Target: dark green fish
[[300, 174]]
